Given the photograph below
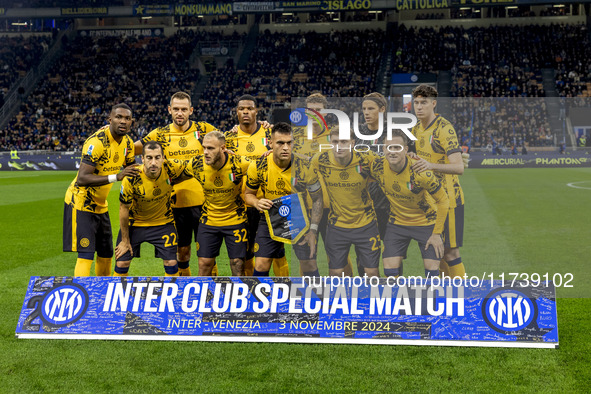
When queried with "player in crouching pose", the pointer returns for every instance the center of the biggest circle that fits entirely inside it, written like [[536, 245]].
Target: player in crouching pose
[[418, 207], [145, 213]]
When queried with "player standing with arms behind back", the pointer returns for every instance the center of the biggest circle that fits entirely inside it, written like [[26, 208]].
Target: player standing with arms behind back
[[182, 140], [87, 226], [439, 151]]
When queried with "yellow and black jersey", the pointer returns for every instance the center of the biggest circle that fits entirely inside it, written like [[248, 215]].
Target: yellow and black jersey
[[150, 199], [346, 187], [414, 197], [265, 176], [182, 145], [223, 204], [309, 147], [250, 146], [107, 156], [435, 143]]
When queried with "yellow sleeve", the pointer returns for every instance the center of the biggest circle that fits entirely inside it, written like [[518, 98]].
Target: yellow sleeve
[[92, 151], [130, 152], [151, 136], [175, 167], [252, 176], [244, 164], [448, 139], [203, 128], [230, 140], [126, 191], [430, 183], [373, 171]]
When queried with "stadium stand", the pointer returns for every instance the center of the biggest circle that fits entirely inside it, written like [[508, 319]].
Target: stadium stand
[[285, 65], [493, 61], [18, 54], [95, 73]]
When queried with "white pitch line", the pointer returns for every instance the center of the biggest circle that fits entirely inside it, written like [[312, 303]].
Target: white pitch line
[[572, 184]]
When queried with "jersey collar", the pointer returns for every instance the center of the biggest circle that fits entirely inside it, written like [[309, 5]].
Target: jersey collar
[[174, 126], [259, 126], [404, 167], [437, 116]]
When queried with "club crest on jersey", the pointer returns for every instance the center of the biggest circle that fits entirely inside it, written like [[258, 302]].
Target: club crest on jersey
[[280, 184], [116, 157], [218, 182], [183, 142], [344, 175], [422, 143], [250, 147], [396, 187], [156, 192]]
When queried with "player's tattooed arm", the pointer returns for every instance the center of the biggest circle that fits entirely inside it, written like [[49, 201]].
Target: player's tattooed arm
[[125, 243]]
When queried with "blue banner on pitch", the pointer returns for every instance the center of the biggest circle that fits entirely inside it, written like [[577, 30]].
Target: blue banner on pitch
[[316, 310]]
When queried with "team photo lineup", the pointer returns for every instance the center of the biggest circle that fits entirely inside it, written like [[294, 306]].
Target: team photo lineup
[[199, 184]]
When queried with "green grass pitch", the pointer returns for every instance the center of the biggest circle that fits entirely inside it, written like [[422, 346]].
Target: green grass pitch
[[517, 220]]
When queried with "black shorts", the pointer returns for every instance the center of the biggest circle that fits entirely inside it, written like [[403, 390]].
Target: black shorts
[[186, 221], [367, 245], [398, 238], [253, 217], [164, 239], [453, 233], [264, 245], [209, 240], [87, 232]]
